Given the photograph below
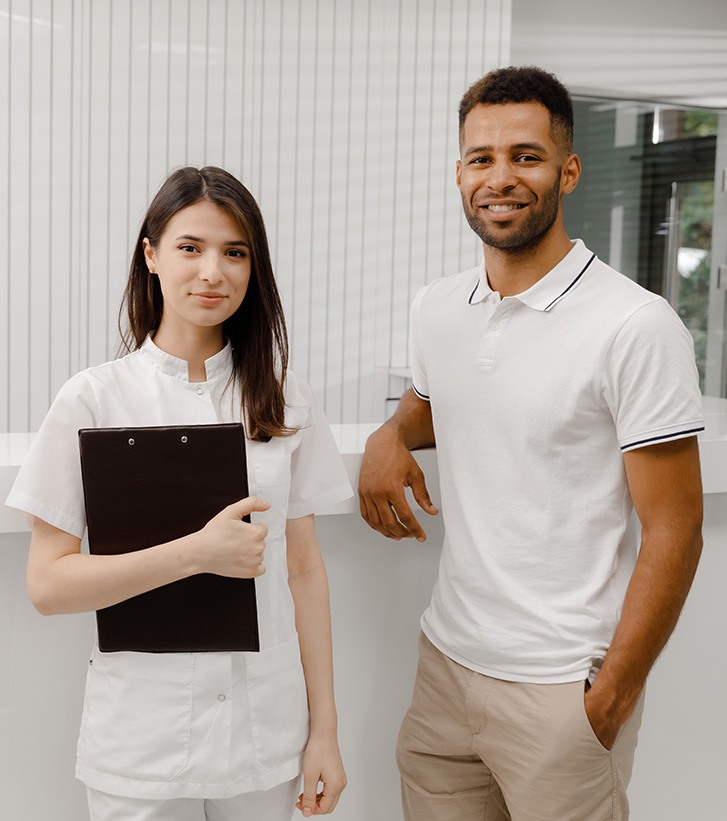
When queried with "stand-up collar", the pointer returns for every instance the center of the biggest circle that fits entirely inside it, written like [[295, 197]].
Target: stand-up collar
[[216, 365]]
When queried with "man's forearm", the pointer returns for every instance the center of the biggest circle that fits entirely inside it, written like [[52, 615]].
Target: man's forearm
[[665, 486], [654, 600], [412, 422]]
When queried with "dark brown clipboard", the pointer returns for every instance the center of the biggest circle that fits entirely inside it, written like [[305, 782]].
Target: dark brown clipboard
[[148, 485]]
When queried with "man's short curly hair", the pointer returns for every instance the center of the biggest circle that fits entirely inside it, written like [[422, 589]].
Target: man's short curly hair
[[523, 84]]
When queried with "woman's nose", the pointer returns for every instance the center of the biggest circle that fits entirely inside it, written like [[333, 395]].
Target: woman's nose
[[211, 269]]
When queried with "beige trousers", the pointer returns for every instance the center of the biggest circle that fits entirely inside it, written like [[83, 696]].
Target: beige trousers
[[475, 748]]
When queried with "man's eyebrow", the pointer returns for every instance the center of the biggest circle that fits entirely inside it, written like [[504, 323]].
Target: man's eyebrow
[[530, 147], [484, 149], [478, 149], [236, 242]]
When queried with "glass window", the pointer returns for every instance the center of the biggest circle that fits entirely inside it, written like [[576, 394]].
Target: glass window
[[646, 205]]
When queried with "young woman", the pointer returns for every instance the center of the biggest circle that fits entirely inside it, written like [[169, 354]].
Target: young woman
[[179, 736]]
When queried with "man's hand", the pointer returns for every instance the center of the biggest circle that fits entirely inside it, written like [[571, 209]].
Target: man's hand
[[387, 469], [604, 723]]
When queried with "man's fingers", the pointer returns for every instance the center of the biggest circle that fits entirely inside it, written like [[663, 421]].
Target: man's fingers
[[371, 510], [421, 494], [369, 514], [387, 510], [396, 518], [410, 522]]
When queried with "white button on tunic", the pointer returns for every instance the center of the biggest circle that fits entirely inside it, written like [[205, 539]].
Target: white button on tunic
[[167, 725]]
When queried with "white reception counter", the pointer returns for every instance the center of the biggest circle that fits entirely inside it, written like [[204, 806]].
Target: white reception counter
[[378, 591]]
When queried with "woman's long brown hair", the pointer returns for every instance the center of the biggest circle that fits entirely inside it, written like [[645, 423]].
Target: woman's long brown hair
[[256, 330]]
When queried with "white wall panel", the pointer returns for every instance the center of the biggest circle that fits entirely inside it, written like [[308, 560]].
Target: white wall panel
[[339, 115], [5, 104], [20, 259], [670, 52]]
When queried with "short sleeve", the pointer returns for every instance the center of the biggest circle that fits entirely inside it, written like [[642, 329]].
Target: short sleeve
[[318, 475], [49, 484], [651, 384], [420, 383]]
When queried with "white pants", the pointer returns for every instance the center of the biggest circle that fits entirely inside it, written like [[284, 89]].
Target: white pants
[[276, 804]]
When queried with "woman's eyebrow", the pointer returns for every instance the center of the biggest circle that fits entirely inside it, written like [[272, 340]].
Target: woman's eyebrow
[[237, 242]]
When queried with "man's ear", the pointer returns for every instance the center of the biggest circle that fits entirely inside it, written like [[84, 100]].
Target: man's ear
[[570, 174]]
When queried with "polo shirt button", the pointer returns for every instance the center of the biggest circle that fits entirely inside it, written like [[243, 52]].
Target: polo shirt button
[[494, 326], [221, 697], [200, 391]]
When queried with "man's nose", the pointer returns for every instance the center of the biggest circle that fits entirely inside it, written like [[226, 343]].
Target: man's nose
[[501, 176]]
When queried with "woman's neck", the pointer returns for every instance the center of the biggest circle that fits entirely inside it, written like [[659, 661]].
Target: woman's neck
[[194, 347]]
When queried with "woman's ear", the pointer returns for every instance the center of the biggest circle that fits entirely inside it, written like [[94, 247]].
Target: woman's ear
[[149, 255]]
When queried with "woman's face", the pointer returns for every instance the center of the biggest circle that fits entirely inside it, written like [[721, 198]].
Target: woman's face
[[203, 264]]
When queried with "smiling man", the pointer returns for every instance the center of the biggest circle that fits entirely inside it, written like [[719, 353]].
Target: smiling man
[[561, 397]]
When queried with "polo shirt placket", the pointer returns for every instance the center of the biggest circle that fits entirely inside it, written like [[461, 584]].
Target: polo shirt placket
[[497, 318]]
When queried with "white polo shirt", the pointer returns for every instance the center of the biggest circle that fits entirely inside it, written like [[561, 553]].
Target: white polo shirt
[[535, 398], [168, 725]]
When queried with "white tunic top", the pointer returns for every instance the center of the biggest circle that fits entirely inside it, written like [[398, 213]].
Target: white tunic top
[[172, 725], [535, 398]]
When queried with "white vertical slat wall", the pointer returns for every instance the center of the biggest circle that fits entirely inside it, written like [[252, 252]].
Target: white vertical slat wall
[[339, 115]]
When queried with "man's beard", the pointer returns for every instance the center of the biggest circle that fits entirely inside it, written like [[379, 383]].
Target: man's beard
[[529, 234]]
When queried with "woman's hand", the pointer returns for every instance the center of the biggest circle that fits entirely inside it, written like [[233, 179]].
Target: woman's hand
[[321, 764], [228, 546], [61, 579]]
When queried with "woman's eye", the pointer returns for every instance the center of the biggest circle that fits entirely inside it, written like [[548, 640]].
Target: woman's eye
[[237, 253], [187, 248]]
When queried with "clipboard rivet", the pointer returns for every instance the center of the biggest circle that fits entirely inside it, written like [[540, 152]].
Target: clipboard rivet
[[184, 439], [131, 441]]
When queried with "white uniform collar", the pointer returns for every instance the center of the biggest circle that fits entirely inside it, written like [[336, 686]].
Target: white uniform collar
[[217, 365]]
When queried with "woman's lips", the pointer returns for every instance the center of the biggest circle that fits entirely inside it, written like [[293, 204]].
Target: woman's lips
[[209, 298]]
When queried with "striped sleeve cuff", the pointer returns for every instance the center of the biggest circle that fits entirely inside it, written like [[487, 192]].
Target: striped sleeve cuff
[[420, 394], [666, 437]]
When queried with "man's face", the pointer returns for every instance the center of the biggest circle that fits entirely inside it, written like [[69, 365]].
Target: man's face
[[512, 174]]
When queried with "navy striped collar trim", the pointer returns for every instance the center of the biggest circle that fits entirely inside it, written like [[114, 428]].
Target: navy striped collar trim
[[654, 440], [572, 285], [552, 288]]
